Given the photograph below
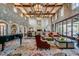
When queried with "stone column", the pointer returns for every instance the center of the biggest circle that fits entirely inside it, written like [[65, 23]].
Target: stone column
[[9, 28]]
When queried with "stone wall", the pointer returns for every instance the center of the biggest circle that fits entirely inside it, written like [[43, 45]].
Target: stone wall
[[7, 15]]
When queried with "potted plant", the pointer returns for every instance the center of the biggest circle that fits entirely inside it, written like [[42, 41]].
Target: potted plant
[[62, 38]]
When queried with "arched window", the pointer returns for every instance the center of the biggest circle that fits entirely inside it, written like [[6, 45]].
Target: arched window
[[13, 29], [3, 28]]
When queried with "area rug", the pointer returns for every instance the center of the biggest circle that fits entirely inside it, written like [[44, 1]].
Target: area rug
[[29, 48]]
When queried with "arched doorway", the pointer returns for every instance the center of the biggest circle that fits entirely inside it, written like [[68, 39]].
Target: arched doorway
[[13, 29], [3, 28]]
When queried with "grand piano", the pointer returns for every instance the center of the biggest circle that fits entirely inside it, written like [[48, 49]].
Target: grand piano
[[7, 38]]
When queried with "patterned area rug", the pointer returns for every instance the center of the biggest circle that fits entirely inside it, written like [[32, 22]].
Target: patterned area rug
[[28, 48]]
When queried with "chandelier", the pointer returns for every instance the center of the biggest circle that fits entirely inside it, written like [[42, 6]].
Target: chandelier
[[38, 7]]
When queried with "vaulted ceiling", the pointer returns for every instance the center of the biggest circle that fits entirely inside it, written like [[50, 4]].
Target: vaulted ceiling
[[38, 9]]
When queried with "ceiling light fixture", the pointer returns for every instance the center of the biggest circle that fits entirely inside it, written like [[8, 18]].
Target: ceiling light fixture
[[38, 7]]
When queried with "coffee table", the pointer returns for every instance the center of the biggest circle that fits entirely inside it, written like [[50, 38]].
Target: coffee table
[[66, 44]]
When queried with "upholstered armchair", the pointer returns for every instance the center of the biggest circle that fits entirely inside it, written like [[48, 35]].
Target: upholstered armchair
[[41, 44]]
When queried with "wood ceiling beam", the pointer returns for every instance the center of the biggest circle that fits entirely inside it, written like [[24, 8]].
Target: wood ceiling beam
[[58, 9], [23, 9], [46, 8], [39, 14], [29, 5], [32, 8], [52, 9], [53, 5], [23, 5]]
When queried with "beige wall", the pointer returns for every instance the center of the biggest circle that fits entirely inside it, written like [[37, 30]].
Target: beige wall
[[68, 12]]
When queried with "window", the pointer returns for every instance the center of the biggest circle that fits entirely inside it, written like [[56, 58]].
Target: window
[[56, 16], [69, 27], [60, 28], [33, 23], [64, 28], [45, 24], [2, 29], [75, 26], [57, 27]]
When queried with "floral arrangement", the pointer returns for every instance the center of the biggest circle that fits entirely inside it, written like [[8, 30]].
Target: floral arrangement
[[62, 38]]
